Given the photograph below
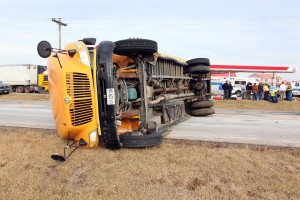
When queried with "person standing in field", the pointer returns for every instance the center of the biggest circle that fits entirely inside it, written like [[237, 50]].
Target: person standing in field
[[243, 90], [230, 88], [289, 92], [248, 90], [266, 92], [255, 92], [260, 90], [225, 88], [282, 90]]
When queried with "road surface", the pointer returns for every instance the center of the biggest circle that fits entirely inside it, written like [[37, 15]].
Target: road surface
[[279, 128], [22, 113]]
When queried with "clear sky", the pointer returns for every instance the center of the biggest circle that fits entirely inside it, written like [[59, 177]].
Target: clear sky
[[241, 32]]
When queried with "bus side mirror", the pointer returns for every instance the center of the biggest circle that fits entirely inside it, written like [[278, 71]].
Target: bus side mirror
[[44, 49]]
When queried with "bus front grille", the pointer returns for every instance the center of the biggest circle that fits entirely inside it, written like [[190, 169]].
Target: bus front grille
[[79, 89]]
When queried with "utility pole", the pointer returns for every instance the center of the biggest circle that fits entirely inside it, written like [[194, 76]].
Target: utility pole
[[58, 21]]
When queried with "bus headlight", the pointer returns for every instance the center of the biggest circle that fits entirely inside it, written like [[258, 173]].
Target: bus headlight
[[83, 54], [93, 137]]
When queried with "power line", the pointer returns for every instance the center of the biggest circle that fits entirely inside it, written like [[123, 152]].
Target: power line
[[60, 23], [20, 22]]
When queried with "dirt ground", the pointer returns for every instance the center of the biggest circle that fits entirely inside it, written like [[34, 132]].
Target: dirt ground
[[173, 170], [258, 105], [24, 96]]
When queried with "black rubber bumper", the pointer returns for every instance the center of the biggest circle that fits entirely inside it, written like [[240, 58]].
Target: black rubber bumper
[[107, 113]]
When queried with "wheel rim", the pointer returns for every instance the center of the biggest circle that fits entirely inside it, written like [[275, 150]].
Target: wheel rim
[[20, 89], [27, 89]]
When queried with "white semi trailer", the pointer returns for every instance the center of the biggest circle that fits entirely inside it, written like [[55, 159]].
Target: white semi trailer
[[25, 77]]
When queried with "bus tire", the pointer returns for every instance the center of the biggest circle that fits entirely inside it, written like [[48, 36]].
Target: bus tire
[[133, 46], [140, 141], [199, 69], [203, 112], [199, 61], [202, 104]]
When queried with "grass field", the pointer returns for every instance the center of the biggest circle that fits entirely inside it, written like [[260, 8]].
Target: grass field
[[258, 105], [174, 170]]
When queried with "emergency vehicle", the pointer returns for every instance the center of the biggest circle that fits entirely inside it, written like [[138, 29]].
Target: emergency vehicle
[[236, 82], [296, 87]]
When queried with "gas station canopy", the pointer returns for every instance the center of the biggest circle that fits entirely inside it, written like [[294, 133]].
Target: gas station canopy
[[245, 68]]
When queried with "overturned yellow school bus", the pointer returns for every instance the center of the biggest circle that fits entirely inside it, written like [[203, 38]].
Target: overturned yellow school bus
[[123, 93]]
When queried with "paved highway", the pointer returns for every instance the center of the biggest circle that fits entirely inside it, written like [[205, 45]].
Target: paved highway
[[280, 128], [21, 113]]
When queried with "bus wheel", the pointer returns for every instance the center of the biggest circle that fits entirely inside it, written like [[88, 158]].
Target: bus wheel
[[199, 69], [202, 104], [139, 141], [203, 112], [133, 46], [198, 61]]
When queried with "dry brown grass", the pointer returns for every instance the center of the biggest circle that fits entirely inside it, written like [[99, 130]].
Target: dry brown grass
[[258, 105], [24, 96], [174, 170]]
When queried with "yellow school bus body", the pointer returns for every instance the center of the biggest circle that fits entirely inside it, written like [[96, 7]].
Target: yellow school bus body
[[72, 94]]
